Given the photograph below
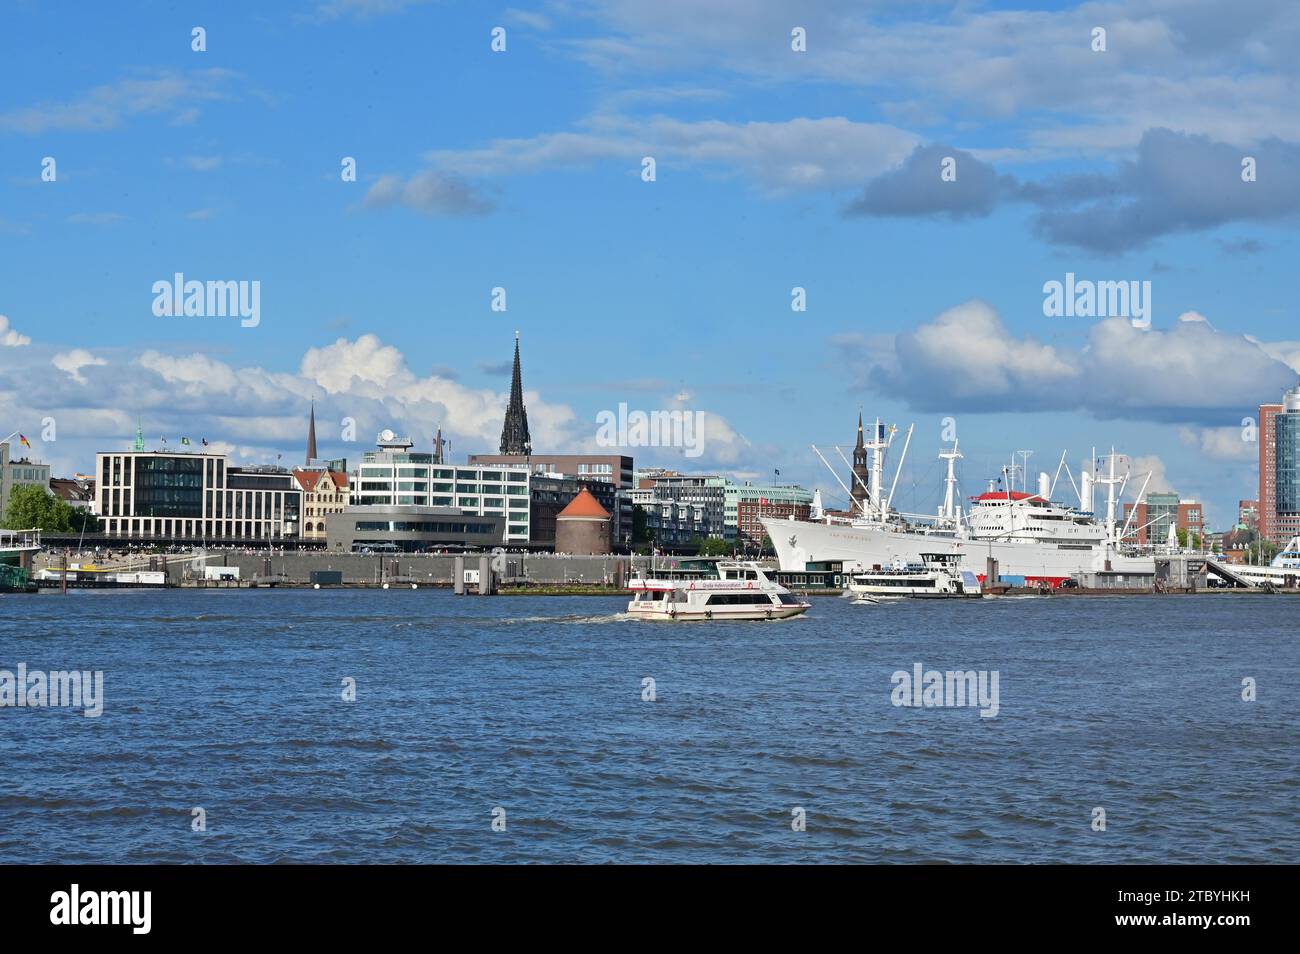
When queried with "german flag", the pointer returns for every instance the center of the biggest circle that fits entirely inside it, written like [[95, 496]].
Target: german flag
[[25, 442]]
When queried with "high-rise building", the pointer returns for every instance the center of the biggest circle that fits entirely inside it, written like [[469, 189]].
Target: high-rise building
[[1286, 471], [1267, 470], [514, 434]]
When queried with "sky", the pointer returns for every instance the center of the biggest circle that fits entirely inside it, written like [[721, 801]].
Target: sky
[[920, 171]]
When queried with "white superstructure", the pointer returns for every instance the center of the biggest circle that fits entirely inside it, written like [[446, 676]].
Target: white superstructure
[[1028, 534], [740, 590]]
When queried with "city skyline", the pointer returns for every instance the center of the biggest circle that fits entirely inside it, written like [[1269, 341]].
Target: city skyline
[[775, 170]]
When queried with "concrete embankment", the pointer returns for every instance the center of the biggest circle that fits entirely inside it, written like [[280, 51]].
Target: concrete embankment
[[370, 569]]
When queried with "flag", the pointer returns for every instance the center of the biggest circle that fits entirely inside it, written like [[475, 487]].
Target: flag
[[778, 473], [163, 439], [185, 440], [762, 501], [205, 441], [24, 441]]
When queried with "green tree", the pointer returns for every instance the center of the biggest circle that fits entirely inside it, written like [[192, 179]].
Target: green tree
[[32, 506], [714, 546]]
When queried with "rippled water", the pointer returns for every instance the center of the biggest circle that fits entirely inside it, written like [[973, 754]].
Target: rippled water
[[231, 700]]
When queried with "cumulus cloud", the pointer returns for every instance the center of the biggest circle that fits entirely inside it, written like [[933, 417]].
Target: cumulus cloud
[[967, 358], [9, 337], [1222, 443], [71, 362]]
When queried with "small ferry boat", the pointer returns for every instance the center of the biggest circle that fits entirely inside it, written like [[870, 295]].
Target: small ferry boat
[[937, 576], [712, 590]]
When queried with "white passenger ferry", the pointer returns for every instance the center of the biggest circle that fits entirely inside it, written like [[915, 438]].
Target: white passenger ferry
[[712, 590], [937, 576]]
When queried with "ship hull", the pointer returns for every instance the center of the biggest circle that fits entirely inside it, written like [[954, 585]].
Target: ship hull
[[1040, 562]]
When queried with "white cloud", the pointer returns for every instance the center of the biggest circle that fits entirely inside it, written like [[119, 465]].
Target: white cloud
[[111, 105], [1221, 443], [793, 155], [71, 362], [9, 337], [966, 358]]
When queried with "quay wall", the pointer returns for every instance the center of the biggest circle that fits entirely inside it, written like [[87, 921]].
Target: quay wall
[[435, 569]]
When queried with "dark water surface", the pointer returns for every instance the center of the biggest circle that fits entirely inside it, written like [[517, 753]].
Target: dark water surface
[[231, 700]]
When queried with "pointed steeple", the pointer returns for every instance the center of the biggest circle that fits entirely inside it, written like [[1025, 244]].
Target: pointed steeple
[[311, 433], [139, 436], [861, 470], [437, 447], [514, 435]]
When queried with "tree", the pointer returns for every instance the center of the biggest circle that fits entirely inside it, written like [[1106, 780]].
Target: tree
[[714, 546], [31, 506], [639, 524]]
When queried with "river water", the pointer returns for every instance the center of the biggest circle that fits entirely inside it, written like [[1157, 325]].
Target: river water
[[522, 729]]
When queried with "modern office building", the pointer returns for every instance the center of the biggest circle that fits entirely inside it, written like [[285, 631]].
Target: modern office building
[[410, 528], [15, 473], [612, 469], [1286, 479], [394, 475], [194, 498], [746, 501], [1149, 520]]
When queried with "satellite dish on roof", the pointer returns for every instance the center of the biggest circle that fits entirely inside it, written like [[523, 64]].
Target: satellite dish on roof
[[386, 435]]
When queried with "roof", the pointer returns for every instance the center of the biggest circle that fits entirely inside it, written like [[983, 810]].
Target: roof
[[584, 505], [307, 479], [1012, 494]]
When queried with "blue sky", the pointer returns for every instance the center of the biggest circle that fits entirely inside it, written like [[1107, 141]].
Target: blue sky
[[775, 169]]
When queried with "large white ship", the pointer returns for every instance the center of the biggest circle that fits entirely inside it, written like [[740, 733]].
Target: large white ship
[[1027, 533]]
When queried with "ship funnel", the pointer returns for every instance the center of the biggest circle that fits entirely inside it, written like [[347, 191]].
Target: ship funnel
[[1085, 492], [1044, 486]]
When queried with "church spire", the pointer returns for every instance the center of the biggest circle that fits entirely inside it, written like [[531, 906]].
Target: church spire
[[861, 470], [514, 435], [311, 434]]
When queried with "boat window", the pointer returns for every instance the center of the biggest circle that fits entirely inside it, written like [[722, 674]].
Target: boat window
[[788, 599]]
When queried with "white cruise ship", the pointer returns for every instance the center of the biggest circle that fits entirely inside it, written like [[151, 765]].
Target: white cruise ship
[[1027, 533]]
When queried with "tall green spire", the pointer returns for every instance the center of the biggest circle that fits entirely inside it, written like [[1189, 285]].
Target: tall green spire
[[139, 436]]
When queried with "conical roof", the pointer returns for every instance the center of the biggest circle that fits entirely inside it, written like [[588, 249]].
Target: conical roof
[[584, 505]]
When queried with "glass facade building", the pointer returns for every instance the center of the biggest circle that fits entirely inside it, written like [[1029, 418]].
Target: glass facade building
[[395, 476]]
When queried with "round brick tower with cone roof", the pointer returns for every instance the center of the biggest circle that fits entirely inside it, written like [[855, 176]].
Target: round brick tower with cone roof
[[582, 528]]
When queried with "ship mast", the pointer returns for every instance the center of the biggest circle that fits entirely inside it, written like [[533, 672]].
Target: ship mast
[[877, 446], [949, 511]]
